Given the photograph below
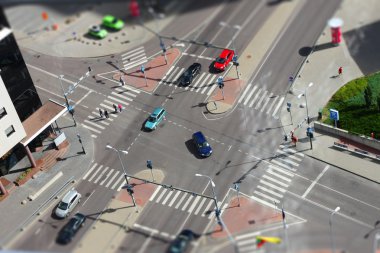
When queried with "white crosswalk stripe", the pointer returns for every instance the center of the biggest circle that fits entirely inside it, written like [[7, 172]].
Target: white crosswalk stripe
[[183, 201], [134, 58], [261, 100], [278, 176]]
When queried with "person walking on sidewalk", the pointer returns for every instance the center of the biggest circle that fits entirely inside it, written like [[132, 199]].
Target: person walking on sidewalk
[[106, 114], [101, 113], [340, 71], [114, 107], [120, 107]]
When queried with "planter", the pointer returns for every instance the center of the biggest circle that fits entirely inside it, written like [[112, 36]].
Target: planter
[[26, 175]]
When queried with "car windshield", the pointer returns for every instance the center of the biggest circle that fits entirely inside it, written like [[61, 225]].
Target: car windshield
[[114, 21], [220, 60], [187, 73], [203, 145], [63, 205], [152, 119]]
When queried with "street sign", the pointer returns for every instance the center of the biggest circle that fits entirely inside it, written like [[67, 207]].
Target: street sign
[[234, 58], [334, 114], [236, 186], [288, 104], [149, 164]]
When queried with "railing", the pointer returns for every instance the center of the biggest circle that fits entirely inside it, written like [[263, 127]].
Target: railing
[[356, 151]]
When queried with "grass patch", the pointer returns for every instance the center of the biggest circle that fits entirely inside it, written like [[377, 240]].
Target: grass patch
[[354, 114]]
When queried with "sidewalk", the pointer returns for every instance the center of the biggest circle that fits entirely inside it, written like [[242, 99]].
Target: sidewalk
[[70, 166], [319, 69]]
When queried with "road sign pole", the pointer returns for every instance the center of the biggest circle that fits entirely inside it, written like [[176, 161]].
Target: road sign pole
[[223, 92], [150, 166], [237, 72]]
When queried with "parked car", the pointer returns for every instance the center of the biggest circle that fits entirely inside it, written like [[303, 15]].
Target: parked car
[[71, 228], [181, 242], [112, 22], [155, 118], [188, 76], [97, 32], [224, 59], [68, 203], [203, 147]]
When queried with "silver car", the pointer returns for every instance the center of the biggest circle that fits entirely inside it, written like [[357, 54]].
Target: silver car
[[68, 203]]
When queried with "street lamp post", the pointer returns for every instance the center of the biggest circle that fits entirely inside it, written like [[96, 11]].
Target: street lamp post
[[162, 45], [122, 164], [331, 231], [217, 211], [376, 237], [237, 27]]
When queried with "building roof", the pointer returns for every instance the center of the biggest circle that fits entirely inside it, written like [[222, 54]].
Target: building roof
[[41, 119]]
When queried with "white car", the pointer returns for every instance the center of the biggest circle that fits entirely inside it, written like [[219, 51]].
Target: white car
[[68, 203]]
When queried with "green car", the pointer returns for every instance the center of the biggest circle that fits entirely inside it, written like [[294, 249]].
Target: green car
[[97, 32], [112, 22]]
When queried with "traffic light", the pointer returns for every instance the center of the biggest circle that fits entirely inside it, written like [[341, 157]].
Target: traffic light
[[134, 8], [130, 191]]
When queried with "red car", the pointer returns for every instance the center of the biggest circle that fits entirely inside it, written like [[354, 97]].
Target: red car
[[224, 58]]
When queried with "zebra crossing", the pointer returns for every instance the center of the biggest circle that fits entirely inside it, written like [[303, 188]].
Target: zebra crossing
[[105, 176], [97, 124], [205, 83], [277, 178], [134, 58], [261, 100], [186, 202]]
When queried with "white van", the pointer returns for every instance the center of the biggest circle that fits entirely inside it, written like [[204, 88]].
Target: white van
[[67, 204]]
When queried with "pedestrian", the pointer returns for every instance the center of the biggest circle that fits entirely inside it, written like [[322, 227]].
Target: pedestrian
[[340, 70], [122, 81], [106, 114], [101, 113], [115, 108], [120, 107]]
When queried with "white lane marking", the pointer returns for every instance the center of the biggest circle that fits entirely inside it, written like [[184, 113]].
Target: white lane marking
[[194, 204], [200, 206], [255, 98], [94, 124], [266, 102], [117, 183], [209, 84], [155, 193], [161, 195], [180, 201], [315, 181], [207, 207], [203, 83], [94, 136], [92, 129], [96, 172], [278, 106], [174, 198], [275, 181], [120, 96], [118, 100], [283, 165], [187, 202], [122, 183], [272, 185], [133, 50], [288, 161], [271, 106], [198, 81], [287, 155], [101, 175], [167, 197], [249, 95], [113, 177], [107, 176], [177, 76], [88, 172], [88, 197], [270, 191], [265, 196], [270, 171], [261, 100], [244, 92]]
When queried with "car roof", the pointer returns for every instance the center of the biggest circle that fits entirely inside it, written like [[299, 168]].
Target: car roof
[[225, 52], [69, 195], [157, 110], [198, 136]]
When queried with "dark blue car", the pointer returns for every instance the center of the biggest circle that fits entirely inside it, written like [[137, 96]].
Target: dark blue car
[[203, 147]]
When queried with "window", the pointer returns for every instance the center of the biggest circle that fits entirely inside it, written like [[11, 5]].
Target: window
[[9, 131], [3, 112]]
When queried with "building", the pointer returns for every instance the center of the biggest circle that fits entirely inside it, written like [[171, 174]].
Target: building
[[18, 98]]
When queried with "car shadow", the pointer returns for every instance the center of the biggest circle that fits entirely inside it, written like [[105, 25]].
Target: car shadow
[[192, 149]]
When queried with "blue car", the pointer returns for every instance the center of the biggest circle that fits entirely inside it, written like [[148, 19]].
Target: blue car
[[203, 147], [155, 118]]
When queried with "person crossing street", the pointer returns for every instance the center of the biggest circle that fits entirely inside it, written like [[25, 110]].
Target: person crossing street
[[101, 113], [106, 114], [115, 108], [120, 107]]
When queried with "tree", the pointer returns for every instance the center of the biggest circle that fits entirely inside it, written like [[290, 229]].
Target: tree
[[378, 102], [368, 96]]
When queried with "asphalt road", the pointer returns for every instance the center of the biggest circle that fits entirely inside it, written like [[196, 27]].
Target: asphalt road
[[246, 142]]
